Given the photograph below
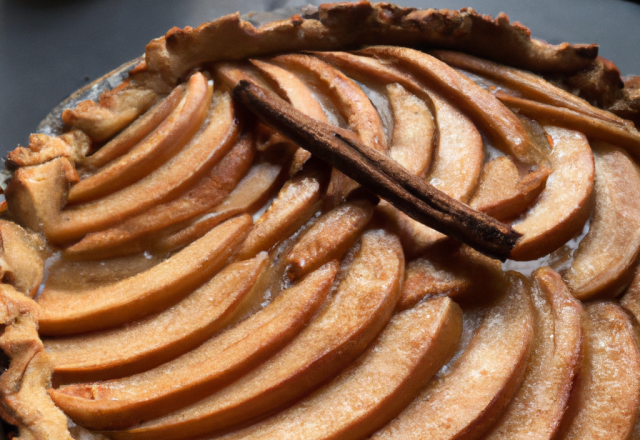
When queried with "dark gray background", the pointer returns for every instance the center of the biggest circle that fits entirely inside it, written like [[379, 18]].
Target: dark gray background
[[50, 48]]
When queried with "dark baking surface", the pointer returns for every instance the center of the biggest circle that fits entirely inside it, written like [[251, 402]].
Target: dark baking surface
[[50, 48]]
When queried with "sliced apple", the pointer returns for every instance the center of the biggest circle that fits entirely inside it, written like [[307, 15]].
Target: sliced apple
[[69, 312], [493, 116], [292, 208], [250, 194], [357, 311], [414, 130], [163, 184], [21, 258], [209, 191], [330, 237], [530, 85], [291, 88], [455, 271], [537, 408], [174, 132], [148, 343], [369, 393], [604, 261], [213, 365], [67, 275], [466, 398], [135, 132], [350, 102], [605, 400], [565, 204], [596, 128], [502, 194]]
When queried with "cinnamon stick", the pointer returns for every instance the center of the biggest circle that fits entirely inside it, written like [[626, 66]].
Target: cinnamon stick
[[381, 175]]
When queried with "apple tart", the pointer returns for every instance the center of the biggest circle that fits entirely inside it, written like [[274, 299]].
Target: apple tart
[[365, 222]]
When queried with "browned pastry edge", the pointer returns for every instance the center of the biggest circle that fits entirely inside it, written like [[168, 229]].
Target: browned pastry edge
[[343, 25]]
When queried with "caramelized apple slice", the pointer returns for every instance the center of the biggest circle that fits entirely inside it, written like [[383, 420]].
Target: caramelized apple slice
[[528, 84], [414, 130], [250, 194], [161, 185], [502, 194], [291, 88], [177, 129], [357, 311], [466, 398], [135, 132], [565, 204], [604, 261], [413, 346], [21, 259], [69, 312], [537, 408], [213, 365], [459, 153], [291, 209], [145, 344], [604, 402], [351, 102], [453, 272], [496, 119], [330, 237], [209, 191], [596, 128]]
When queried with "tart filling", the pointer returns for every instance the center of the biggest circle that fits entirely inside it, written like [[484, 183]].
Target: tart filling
[[298, 235]]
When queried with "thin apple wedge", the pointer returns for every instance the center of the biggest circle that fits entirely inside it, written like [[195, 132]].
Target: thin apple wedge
[[494, 117], [131, 349], [565, 204], [330, 237], [528, 84], [502, 194], [350, 101], [369, 393], [248, 196], [537, 408], [292, 208], [69, 312], [604, 402], [212, 188], [340, 331], [595, 128], [466, 398], [459, 155], [165, 183], [604, 261], [135, 132], [213, 365], [291, 88], [173, 133], [414, 130], [455, 271]]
